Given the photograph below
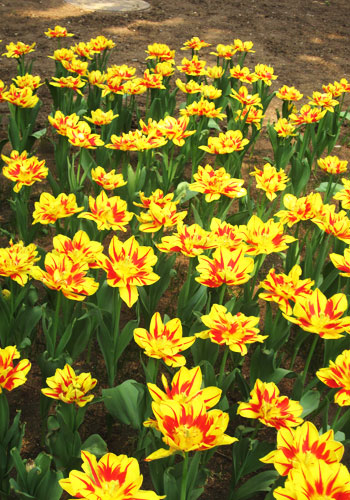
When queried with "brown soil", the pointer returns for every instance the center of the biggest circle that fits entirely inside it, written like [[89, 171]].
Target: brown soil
[[305, 41]]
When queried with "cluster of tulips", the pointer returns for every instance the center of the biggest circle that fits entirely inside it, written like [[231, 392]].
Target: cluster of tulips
[[151, 230]]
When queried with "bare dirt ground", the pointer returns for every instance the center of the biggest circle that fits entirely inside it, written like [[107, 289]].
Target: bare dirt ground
[[306, 41]]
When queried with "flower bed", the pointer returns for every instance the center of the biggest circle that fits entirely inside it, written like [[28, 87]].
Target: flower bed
[[148, 171]]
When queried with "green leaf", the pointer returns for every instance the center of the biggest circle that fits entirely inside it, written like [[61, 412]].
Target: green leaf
[[81, 335], [197, 217], [263, 366], [95, 445], [171, 486], [309, 401], [65, 338], [213, 124], [125, 337], [205, 351], [39, 133], [183, 192], [335, 187], [127, 402], [257, 483], [27, 320]]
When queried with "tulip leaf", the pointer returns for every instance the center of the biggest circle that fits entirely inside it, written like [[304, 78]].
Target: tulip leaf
[[213, 124], [334, 188], [127, 402], [95, 445], [309, 401], [125, 337], [259, 482], [39, 133]]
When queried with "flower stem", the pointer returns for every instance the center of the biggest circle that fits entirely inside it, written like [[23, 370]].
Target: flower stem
[[55, 324], [336, 418], [222, 294], [308, 360], [222, 366], [112, 370], [184, 477], [188, 280]]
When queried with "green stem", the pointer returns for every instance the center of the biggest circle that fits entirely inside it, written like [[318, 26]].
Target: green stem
[[222, 294], [330, 189], [223, 366], [152, 370], [184, 477], [5, 416], [112, 370], [308, 360], [259, 262], [55, 324], [256, 430], [336, 418], [116, 315], [188, 280]]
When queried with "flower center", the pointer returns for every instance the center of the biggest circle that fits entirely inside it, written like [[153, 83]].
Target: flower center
[[111, 490], [126, 269], [187, 436], [269, 411]]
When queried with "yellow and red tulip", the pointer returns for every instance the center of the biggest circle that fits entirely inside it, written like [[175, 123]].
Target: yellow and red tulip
[[225, 266], [214, 183], [335, 223], [62, 123], [303, 446], [107, 180], [189, 240], [270, 408], [70, 388], [23, 98], [226, 235], [108, 213], [265, 237], [58, 32], [49, 209], [129, 265], [269, 180], [317, 314], [160, 51], [78, 249], [226, 143], [332, 165], [82, 137], [185, 386], [189, 427], [17, 261], [164, 341], [12, 376], [69, 82], [112, 477], [316, 481], [160, 217], [298, 209], [22, 170], [62, 274], [16, 50], [235, 331], [337, 376], [203, 108], [265, 73], [192, 67], [285, 288]]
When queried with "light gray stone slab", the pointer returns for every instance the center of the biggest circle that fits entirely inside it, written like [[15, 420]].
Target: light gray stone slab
[[111, 5]]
